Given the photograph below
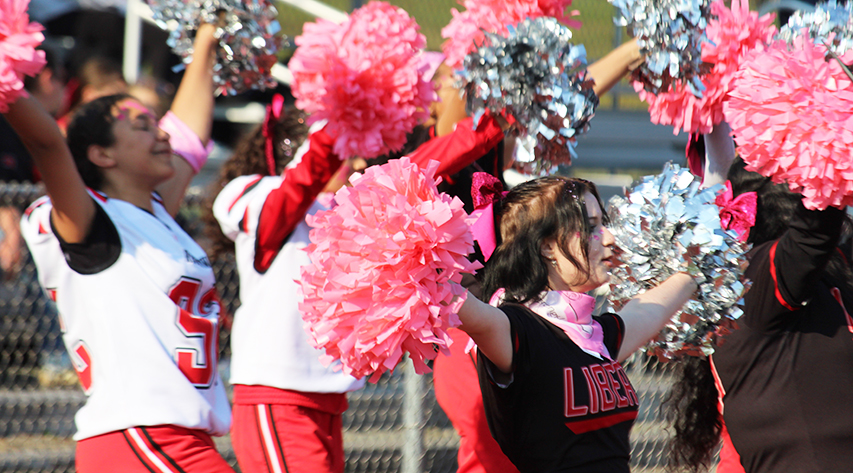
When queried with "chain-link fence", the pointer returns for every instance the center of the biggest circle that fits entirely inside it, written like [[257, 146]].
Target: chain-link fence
[[394, 425]]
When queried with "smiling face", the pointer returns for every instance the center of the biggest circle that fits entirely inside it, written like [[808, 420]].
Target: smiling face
[[140, 148], [565, 275]]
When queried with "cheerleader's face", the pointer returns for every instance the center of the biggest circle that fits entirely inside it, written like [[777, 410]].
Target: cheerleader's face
[[141, 148], [565, 275]]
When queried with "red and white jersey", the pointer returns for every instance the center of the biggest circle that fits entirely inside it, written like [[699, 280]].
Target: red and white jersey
[[269, 345], [140, 326]]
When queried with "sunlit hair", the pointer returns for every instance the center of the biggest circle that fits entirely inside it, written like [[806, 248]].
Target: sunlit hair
[[533, 212], [92, 124]]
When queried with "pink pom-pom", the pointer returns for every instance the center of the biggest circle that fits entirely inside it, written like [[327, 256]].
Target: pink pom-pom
[[791, 114], [363, 77], [18, 56], [732, 33], [383, 266], [465, 31]]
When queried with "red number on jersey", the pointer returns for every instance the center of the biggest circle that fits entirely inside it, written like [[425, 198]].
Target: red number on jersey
[[82, 361], [199, 368], [80, 357]]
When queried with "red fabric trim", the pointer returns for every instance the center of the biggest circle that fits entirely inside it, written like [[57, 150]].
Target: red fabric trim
[[584, 426], [245, 221], [136, 449], [620, 337], [729, 457], [143, 443], [243, 192], [457, 150], [38, 203], [273, 452], [721, 391], [287, 205], [99, 195], [776, 281]]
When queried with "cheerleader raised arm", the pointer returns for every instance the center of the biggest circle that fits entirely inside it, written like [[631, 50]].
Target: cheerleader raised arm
[[539, 350], [135, 293]]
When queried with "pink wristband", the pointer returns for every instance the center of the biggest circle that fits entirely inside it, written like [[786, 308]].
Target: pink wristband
[[185, 143]]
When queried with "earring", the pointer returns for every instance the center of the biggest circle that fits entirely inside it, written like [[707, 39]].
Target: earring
[[554, 262]]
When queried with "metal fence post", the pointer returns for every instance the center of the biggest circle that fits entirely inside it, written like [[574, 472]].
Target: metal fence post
[[413, 398], [132, 42]]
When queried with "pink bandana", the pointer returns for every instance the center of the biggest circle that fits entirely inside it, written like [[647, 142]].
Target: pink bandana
[[572, 312]]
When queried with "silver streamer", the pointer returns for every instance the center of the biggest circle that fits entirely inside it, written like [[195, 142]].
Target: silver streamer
[[830, 24], [247, 32], [536, 76], [667, 224], [670, 34]]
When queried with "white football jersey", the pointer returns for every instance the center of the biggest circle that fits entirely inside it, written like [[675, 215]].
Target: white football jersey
[[142, 332], [269, 345]]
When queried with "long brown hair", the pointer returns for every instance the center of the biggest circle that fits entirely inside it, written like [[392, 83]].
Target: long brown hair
[[534, 211]]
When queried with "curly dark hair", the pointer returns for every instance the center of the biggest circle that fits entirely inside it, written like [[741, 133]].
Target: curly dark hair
[[691, 408], [534, 211], [249, 157], [92, 124], [692, 404]]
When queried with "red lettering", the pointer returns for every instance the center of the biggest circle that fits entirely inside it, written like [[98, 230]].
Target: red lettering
[[621, 401], [198, 366], [608, 399], [593, 393], [629, 389], [571, 409]]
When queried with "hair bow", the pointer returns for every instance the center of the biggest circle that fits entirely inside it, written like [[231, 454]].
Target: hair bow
[[273, 116], [737, 213], [486, 189]]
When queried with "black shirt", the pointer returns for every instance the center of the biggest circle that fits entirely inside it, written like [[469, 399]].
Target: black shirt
[[787, 371], [564, 409]]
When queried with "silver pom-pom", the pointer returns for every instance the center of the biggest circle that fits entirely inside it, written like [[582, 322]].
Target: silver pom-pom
[[536, 76], [667, 224], [670, 34], [829, 24], [247, 32]]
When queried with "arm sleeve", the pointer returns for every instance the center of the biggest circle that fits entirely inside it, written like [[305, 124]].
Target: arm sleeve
[[98, 251], [457, 150], [185, 143], [520, 354], [786, 272], [287, 205], [269, 208]]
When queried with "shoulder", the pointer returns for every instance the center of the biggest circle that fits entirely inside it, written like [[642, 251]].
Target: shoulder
[[244, 186], [610, 321]]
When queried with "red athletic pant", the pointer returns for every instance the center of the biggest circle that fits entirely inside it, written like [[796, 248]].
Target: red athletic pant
[[284, 438], [158, 449]]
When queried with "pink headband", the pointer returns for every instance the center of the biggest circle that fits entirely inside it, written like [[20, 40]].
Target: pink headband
[[273, 116]]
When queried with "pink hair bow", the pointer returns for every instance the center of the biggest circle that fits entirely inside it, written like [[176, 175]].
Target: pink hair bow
[[273, 115], [485, 190], [738, 213]]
